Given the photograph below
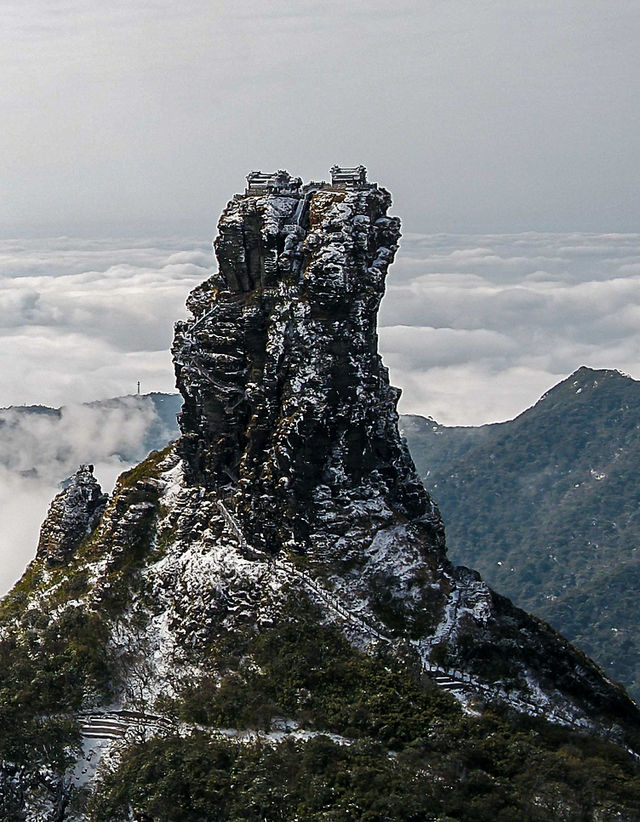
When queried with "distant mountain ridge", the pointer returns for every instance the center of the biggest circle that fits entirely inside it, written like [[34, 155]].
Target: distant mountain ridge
[[547, 508]]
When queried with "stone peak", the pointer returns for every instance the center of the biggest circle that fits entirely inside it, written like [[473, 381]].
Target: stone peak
[[72, 516], [287, 404]]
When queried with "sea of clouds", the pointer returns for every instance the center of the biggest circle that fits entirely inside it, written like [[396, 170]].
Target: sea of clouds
[[474, 329], [83, 320], [80, 321]]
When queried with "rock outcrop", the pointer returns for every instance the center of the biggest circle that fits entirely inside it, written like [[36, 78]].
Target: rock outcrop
[[72, 516], [289, 418], [288, 407]]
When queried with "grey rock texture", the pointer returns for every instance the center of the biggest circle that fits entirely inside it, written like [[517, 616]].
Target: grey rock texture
[[287, 403], [73, 515], [288, 513]]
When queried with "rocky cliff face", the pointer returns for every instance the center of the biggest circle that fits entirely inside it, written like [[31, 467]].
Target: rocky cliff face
[[289, 418], [280, 564], [288, 409], [73, 515]]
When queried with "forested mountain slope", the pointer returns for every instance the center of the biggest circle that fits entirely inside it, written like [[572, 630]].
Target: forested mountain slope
[[547, 508]]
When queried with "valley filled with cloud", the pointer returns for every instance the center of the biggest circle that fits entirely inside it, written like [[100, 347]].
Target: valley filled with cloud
[[84, 320], [40, 449]]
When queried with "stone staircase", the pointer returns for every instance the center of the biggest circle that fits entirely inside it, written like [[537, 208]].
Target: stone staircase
[[448, 682], [115, 725], [103, 726]]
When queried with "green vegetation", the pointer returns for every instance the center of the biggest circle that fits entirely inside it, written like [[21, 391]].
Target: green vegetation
[[54, 658], [133, 488], [148, 469], [47, 668], [411, 753], [408, 751], [197, 779], [49, 665], [309, 672], [53, 653], [547, 508]]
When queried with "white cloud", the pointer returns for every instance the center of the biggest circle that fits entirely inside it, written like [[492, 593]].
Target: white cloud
[[476, 328], [465, 394], [418, 347], [81, 321], [39, 450]]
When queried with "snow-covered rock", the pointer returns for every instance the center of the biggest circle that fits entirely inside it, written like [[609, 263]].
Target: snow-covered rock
[[72, 516]]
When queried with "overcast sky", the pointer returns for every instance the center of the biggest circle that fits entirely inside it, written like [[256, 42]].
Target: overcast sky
[[142, 116]]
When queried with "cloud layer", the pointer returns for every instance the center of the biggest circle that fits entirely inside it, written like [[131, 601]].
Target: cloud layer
[[83, 320], [474, 329], [80, 321]]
